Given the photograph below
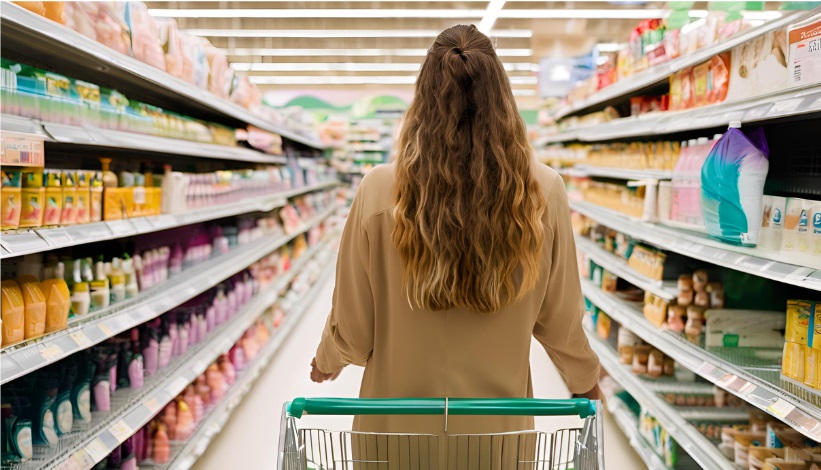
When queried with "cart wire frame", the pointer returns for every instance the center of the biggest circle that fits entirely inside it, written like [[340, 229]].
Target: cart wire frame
[[563, 449]]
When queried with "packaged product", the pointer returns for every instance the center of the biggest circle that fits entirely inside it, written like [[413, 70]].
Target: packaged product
[[111, 27], [796, 226], [815, 231], [799, 320], [171, 44], [792, 362], [13, 313], [772, 222], [35, 301], [83, 196], [742, 442], [197, 69], [641, 359], [69, 187], [221, 75], [11, 198], [804, 64], [744, 329], [82, 17], [719, 78], [695, 323], [145, 43], [33, 194], [626, 343], [739, 160], [54, 197], [810, 362], [758, 66], [38, 8]]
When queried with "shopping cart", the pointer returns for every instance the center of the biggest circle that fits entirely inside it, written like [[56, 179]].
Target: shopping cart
[[564, 449]]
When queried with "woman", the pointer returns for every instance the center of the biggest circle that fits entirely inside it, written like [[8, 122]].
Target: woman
[[456, 254]]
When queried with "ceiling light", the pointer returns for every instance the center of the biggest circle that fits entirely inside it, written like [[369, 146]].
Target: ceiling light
[[355, 80], [403, 13], [608, 47], [340, 33], [352, 67], [267, 52], [492, 12]]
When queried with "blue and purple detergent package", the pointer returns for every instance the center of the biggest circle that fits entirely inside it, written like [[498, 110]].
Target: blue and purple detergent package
[[732, 186]]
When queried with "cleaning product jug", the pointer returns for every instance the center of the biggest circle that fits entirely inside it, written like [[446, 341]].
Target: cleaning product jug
[[35, 314], [13, 313]]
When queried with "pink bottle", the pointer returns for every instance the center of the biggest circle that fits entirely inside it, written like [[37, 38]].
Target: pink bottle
[[161, 449]]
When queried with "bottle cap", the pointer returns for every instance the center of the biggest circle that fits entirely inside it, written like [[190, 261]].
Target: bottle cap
[[735, 125]]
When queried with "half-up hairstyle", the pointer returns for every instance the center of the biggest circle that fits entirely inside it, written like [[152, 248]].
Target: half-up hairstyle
[[468, 212]]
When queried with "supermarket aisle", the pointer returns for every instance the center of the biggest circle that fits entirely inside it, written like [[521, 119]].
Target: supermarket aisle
[[250, 438]]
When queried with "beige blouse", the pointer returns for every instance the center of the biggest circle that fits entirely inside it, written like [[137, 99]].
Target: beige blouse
[[410, 352]]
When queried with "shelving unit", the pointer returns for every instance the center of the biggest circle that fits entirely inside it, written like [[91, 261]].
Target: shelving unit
[[85, 137], [688, 438], [658, 74], [621, 173], [78, 56], [629, 423], [23, 242], [775, 266], [750, 384], [102, 438], [88, 330], [773, 106], [184, 456]]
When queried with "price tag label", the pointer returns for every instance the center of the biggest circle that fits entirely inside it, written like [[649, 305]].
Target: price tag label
[[121, 431], [82, 460], [175, 387], [105, 329], [153, 405], [787, 106], [51, 353], [142, 225], [81, 339], [780, 408], [97, 450], [121, 228]]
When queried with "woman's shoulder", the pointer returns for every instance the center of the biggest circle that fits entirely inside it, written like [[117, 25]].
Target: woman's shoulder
[[376, 190], [547, 178]]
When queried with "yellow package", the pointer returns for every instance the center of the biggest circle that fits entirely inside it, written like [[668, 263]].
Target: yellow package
[[817, 370], [69, 213], [33, 199], [95, 208], [117, 202], [13, 313], [53, 210], [83, 197], [792, 364], [810, 363], [798, 321], [11, 198], [153, 201]]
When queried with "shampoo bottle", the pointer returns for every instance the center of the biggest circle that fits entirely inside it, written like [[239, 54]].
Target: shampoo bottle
[[35, 301], [58, 298], [100, 295]]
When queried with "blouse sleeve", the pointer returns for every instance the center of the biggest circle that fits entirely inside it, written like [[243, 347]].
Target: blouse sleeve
[[559, 325], [348, 335]]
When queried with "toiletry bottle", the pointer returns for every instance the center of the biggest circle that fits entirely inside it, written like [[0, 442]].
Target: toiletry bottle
[[58, 298], [166, 347], [116, 279], [101, 387], [44, 422], [81, 391], [131, 287], [62, 409], [17, 436], [169, 419], [150, 348], [35, 301], [162, 450], [80, 299], [13, 313], [185, 421], [123, 360], [100, 292]]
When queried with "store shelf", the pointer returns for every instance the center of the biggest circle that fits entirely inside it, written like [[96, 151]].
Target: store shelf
[[755, 384], [704, 452], [84, 137], [629, 425], [24, 242], [87, 330], [618, 266], [102, 439], [69, 52], [789, 269], [621, 173], [782, 104], [184, 457], [659, 74]]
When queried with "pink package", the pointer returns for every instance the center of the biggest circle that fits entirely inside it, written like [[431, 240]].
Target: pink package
[[221, 75], [171, 44], [145, 43], [112, 30], [82, 17]]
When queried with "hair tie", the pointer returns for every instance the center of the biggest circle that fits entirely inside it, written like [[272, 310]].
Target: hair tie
[[460, 52]]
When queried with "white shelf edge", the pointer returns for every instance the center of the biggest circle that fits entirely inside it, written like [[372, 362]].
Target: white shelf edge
[[781, 104], [20, 18], [763, 264], [46, 239], [629, 423], [19, 360], [213, 424], [619, 267], [621, 173], [688, 438], [798, 414], [660, 72], [219, 342]]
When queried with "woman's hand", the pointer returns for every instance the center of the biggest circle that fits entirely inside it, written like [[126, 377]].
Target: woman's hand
[[318, 376], [592, 394]]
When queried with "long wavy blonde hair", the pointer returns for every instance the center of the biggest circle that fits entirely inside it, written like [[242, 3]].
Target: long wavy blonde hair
[[468, 212]]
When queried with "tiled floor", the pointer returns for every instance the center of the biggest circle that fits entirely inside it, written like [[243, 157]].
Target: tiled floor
[[250, 439]]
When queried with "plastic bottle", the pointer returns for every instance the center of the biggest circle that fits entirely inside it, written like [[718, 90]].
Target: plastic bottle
[[116, 280], [81, 299], [100, 292], [58, 298], [131, 286], [13, 313], [35, 301]]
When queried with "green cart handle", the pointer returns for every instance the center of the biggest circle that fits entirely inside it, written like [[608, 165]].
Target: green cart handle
[[440, 406]]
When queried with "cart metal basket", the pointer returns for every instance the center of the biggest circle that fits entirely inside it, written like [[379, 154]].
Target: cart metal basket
[[563, 449]]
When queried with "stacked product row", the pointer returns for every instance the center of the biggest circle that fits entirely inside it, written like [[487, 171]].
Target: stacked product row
[[56, 405], [79, 281], [129, 29]]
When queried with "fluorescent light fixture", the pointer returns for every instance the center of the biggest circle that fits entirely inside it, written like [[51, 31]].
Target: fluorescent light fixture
[[267, 52], [339, 33], [453, 13], [355, 80], [352, 67], [492, 12]]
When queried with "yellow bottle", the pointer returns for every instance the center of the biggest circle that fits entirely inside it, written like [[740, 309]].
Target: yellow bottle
[[58, 299], [13, 313], [35, 321]]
